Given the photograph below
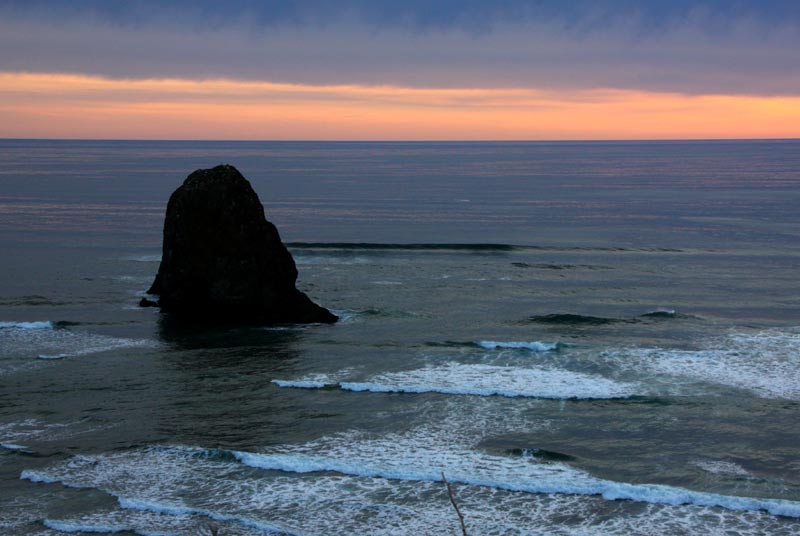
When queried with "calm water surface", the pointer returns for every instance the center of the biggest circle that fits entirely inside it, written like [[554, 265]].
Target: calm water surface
[[585, 338]]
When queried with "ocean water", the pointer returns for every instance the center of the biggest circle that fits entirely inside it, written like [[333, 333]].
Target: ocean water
[[583, 338]]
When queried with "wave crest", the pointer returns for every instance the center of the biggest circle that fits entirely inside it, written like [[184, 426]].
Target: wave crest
[[44, 324], [534, 346], [480, 380]]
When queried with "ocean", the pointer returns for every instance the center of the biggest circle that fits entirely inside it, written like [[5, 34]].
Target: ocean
[[597, 338]]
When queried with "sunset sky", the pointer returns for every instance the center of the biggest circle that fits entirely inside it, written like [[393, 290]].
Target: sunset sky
[[389, 70]]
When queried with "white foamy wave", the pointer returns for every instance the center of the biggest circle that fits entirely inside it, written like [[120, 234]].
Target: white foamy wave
[[170, 509], [171, 514], [52, 356], [140, 279], [12, 446], [661, 312], [534, 346], [345, 316], [482, 380], [316, 381], [13, 435], [143, 258], [100, 343], [37, 476], [766, 363], [140, 517], [77, 526], [724, 468], [411, 457], [158, 481], [40, 340], [301, 384], [159, 508], [27, 325]]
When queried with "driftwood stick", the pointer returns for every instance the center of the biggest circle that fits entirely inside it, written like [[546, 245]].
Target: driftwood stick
[[455, 505]]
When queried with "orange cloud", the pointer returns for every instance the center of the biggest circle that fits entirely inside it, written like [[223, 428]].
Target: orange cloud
[[76, 106]]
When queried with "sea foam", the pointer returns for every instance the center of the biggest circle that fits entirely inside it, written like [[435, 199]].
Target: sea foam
[[137, 521], [143, 258], [27, 325], [482, 380], [52, 341], [75, 526], [14, 434], [533, 346], [412, 457], [171, 509], [765, 363], [12, 446], [725, 468], [302, 384], [403, 493]]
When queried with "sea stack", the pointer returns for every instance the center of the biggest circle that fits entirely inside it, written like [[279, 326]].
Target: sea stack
[[222, 261]]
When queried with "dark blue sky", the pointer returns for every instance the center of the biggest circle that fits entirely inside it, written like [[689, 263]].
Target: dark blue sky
[[711, 46], [422, 13]]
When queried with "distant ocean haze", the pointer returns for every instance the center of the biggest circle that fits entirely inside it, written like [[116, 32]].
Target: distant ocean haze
[[646, 194]]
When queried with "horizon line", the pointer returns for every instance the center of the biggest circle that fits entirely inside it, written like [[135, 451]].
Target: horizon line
[[510, 140]]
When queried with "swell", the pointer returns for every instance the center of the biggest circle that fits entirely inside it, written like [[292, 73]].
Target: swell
[[533, 346], [31, 300], [370, 246], [574, 319], [488, 247], [554, 266], [571, 319]]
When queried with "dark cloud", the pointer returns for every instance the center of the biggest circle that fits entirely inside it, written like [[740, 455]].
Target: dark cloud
[[732, 47]]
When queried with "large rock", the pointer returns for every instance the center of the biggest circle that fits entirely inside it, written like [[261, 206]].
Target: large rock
[[223, 261]]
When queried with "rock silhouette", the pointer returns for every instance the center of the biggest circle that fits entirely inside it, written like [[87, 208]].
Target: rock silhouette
[[222, 261]]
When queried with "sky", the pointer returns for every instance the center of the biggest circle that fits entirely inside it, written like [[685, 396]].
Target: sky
[[391, 70]]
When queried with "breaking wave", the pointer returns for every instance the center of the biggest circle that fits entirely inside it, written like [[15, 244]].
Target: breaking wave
[[154, 476], [27, 325], [533, 346], [143, 258], [359, 483], [481, 380], [765, 363], [501, 473], [48, 340], [569, 319]]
